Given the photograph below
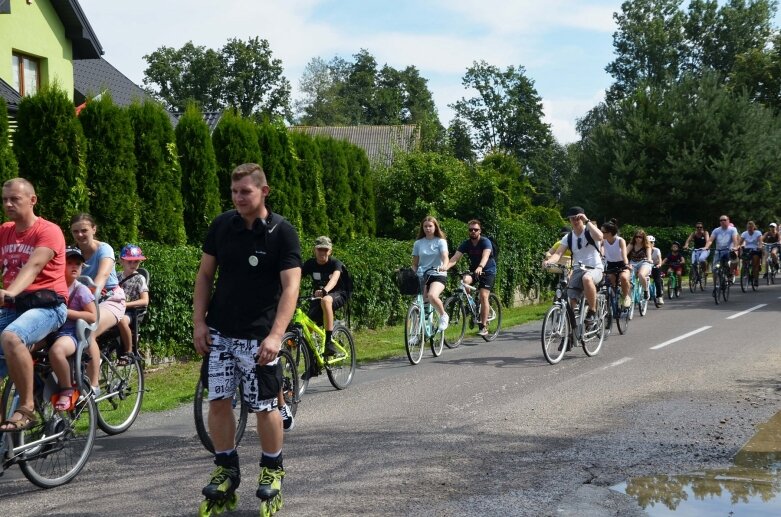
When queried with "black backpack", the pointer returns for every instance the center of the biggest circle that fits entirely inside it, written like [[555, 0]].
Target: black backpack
[[347, 281], [494, 248], [589, 240]]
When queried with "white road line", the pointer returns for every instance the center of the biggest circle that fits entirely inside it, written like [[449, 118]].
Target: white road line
[[738, 315], [616, 363], [679, 338]]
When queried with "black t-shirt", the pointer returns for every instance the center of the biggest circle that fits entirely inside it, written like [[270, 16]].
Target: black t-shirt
[[321, 274], [244, 303]]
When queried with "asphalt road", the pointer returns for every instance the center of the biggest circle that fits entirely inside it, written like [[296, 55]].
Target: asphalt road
[[487, 429]]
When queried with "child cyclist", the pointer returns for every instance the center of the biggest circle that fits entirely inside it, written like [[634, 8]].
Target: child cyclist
[[81, 305], [136, 296], [675, 261]]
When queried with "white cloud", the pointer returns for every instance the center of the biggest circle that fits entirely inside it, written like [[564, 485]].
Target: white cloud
[[521, 16], [562, 113]]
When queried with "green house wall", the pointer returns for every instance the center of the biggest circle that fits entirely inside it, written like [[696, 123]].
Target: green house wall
[[36, 30]]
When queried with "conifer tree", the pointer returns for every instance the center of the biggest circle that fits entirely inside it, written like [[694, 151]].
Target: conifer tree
[[200, 187], [235, 141]]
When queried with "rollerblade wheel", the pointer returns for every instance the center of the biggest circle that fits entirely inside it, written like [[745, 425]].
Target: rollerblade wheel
[[271, 506], [211, 507]]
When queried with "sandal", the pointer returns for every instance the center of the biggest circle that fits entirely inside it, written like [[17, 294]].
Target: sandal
[[64, 400], [27, 421]]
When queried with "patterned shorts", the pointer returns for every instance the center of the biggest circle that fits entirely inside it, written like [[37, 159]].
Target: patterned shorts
[[232, 361]]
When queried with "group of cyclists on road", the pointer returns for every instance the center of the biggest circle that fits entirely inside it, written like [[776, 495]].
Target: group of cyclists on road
[[602, 252]]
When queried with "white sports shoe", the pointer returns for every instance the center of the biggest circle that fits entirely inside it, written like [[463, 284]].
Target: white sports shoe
[[444, 321]]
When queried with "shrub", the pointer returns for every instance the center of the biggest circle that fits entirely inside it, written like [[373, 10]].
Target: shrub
[[111, 170], [313, 210], [8, 165], [51, 152], [337, 187], [200, 187], [167, 330], [159, 177], [279, 165]]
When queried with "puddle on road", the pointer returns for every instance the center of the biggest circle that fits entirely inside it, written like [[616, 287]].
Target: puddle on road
[[752, 486]]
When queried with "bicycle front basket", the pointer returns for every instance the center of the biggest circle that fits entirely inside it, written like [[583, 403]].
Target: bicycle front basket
[[407, 281]]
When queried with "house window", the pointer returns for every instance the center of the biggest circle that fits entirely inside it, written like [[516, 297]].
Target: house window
[[26, 73]]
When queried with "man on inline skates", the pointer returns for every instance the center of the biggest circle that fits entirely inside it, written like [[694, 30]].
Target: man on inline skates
[[239, 329]]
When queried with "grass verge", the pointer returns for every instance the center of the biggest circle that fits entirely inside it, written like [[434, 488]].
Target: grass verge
[[171, 386]]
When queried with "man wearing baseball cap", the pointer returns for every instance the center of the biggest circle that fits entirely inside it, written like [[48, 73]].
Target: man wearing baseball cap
[[584, 242]]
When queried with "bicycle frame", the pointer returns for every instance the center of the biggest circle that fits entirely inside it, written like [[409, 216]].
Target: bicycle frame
[[314, 337]]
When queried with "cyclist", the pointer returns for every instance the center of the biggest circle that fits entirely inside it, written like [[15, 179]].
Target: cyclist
[[329, 289], [771, 236], [698, 238], [32, 251], [726, 238], [675, 261], [639, 254], [656, 269], [584, 241], [482, 266], [614, 251], [429, 255], [751, 242]]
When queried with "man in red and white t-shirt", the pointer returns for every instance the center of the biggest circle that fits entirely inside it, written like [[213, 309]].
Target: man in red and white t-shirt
[[32, 254]]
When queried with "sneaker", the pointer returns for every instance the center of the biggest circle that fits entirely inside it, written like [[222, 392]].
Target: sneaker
[[627, 301], [591, 319], [96, 391], [659, 300], [288, 422], [483, 331], [330, 351], [444, 321]]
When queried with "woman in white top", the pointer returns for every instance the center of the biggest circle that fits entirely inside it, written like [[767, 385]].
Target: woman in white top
[[614, 251], [429, 254], [752, 242]]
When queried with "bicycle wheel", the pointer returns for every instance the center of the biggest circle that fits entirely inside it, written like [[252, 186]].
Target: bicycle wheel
[[593, 343], [725, 290], [64, 439], [693, 278], [122, 392], [341, 369], [745, 278], [494, 317], [703, 278], [622, 322], [437, 340], [290, 381], [454, 334], [555, 334], [413, 335], [201, 411], [754, 281], [642, 306], [302, 357]]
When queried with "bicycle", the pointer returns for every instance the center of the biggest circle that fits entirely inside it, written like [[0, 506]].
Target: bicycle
[[463, 303], [121, 385], [290, 389], [698, 274], [721, 277], [747, 277], [771, 264], [421, 325], [56, 448], [673, 285], [564, 326], [615, 311], [306, 341], [638, 296]]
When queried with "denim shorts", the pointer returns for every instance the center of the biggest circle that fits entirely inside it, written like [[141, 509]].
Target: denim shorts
[[30, 326]]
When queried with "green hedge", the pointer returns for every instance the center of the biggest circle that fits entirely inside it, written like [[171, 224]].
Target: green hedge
[[8, 167], [376, 301]]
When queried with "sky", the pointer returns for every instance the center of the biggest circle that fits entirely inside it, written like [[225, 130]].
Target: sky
[[564, 45]]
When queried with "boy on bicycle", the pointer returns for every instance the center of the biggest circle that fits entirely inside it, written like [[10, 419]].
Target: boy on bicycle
[[329, 289], [674, 262]]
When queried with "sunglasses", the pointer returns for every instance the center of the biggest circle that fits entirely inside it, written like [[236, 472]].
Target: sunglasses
[[474, 230], [698, 227]]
